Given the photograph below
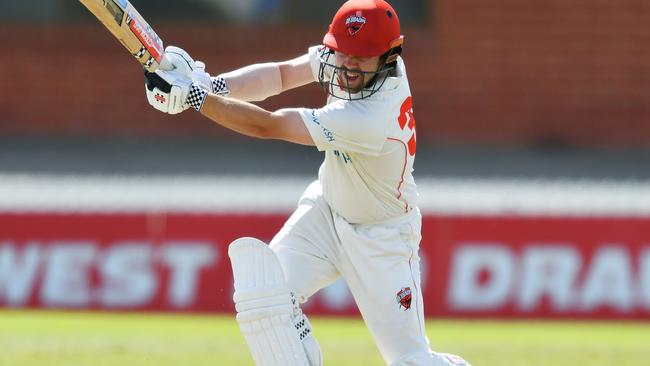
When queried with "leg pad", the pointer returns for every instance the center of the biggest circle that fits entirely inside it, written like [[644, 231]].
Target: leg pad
[[265, 306]]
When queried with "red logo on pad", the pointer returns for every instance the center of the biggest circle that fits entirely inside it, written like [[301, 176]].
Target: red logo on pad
[[404, 298]]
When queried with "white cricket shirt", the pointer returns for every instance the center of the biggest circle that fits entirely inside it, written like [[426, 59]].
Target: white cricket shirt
[[369, 147]]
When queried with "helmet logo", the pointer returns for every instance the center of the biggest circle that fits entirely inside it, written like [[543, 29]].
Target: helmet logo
[[354, 23]]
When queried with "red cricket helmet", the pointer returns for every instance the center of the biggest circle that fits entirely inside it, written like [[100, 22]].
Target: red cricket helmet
[[364, 28]]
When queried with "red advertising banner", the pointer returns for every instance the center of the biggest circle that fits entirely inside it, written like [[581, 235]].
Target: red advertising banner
[[538, 267], [496, 266]]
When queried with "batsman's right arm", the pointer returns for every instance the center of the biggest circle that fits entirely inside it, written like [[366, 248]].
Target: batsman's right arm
[[254, 121]]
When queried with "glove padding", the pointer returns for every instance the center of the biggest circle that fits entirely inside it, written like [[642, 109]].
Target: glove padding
[[167, 91], [167, 88], [214, 84], [200, 77], [178, 60]]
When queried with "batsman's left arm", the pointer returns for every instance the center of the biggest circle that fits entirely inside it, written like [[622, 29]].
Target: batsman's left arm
[[257, 82]]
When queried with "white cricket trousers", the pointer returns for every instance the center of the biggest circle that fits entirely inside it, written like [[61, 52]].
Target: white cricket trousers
[[379, 262]]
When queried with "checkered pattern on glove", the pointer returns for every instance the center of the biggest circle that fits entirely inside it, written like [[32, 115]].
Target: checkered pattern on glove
[[219, 86], [196, 97]]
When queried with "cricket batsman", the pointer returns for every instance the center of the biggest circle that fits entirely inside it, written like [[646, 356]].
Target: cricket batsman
[[359, 220]]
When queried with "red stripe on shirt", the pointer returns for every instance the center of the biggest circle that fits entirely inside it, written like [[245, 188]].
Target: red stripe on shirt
[[399, 186]]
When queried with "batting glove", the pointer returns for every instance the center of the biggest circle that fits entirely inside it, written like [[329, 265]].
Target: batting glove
[[216, 85], [167, 91], [196, 97], [177, 60]]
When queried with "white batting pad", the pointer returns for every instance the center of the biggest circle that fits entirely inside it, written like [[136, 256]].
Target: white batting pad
[[264, 305], [309, 342]]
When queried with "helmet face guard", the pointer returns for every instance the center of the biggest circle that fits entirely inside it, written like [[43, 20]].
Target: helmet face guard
[[338, 86], [362, 28]]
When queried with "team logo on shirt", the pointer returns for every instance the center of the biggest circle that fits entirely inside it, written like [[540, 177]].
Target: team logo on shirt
[[404, 298], [354, 23]]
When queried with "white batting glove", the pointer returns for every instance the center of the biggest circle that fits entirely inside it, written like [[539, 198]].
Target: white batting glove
[[177, 60], [167, 91], [216, 85], [180, 82], [200, 77]]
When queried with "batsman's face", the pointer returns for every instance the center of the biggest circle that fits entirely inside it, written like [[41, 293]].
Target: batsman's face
[[354, 66]]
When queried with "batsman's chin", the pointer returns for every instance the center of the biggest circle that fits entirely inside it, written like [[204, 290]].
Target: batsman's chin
[[351, 89]]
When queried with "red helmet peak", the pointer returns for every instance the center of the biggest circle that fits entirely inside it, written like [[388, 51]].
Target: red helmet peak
[[364, 28]]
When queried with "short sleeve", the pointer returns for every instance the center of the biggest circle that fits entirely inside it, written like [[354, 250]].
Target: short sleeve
[[315, 53], [346, 126]]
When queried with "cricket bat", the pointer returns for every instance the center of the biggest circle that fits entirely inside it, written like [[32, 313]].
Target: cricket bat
[[130, 28]]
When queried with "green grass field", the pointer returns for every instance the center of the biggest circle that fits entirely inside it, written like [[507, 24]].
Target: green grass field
[[69, 338]]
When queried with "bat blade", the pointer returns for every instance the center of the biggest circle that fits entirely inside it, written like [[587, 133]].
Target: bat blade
[[130, 28]]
